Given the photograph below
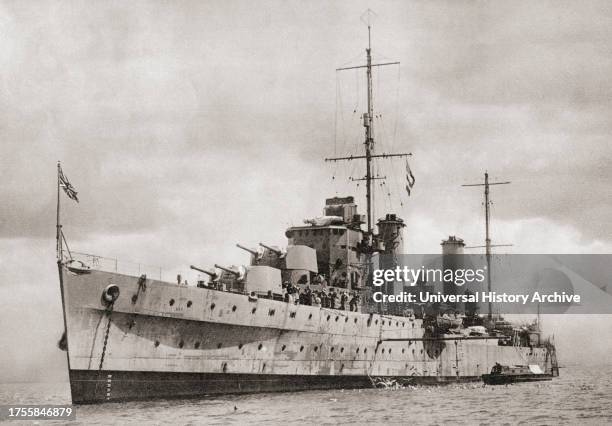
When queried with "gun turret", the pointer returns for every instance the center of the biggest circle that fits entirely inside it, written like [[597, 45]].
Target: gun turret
[[273, 250], [253, 252], [213, 275], [231, 271]]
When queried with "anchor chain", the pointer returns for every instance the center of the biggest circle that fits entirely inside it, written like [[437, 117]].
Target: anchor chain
[[109, 312]]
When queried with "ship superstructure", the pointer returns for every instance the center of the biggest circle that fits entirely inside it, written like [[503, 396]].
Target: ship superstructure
[[295, 318]]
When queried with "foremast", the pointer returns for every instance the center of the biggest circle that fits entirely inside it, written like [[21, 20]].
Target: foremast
[[369, 245], [369, 133]]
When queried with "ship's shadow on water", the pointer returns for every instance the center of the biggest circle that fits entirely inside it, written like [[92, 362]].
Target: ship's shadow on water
[[579, 396]]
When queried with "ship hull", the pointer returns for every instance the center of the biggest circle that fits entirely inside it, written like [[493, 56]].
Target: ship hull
[[94, 387], [162, 340], [90, 387]]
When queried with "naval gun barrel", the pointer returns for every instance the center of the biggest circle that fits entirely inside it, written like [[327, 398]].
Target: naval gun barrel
[[253, 252], [273, 250], [231, 271], [212, 274]]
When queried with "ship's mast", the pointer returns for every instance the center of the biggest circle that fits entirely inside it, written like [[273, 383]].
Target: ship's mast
[[488, 244], [369, 142], [58, 227], [368, 122]]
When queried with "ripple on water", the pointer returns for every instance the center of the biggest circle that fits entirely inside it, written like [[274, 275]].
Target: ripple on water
[[580, 395]]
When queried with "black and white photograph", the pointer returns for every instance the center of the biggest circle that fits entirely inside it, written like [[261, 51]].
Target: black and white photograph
[[306, 212]]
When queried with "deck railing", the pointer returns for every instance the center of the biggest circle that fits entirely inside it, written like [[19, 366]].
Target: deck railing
[[109, 264]]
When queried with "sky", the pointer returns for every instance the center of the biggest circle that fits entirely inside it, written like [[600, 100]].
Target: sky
[[187, 127]]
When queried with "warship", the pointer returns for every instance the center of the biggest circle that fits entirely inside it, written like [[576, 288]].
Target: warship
[[296, 318]]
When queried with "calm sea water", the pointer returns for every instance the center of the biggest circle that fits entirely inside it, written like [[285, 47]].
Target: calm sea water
[[579, 396]]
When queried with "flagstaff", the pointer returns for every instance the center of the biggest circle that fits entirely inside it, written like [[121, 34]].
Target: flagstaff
[[62, 181], [58, 240]]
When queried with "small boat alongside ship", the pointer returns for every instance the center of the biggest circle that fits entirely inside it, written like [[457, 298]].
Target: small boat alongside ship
[[504, 374]]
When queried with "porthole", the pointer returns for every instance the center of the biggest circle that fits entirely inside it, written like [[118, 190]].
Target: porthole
[[421, 351], [156, 344], [224, 368], [390, 351], [212, 307], [337, 318], [301, 348], [341, 350], [310, 316], [234, 308], [341, 368], [271, 312], [189, 303], [355, 321], [331, 349], [413, 352], [219, 345], [357, 351], [259, 347], [376, 322], [328, 317], [412, 325], [316, 348], [263, 367], [383, 323], [403, 324], [181, 344], [292, 315], [239, 345], [383, 350], [171, 302], [196, 345], [346, 319], [283, 347], [403, 350], [253, 310], [365, 351]]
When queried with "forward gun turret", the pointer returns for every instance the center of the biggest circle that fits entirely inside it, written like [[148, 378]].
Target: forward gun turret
[[273, 250], [213, 275], [253, 252], [228, 270]]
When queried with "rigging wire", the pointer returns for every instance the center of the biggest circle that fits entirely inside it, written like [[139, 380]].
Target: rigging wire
[[348, 140], [396, 107], [358, 97], [350, 62], [398, 187], [335, 168]]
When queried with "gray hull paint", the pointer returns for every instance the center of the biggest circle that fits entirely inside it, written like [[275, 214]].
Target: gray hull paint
[[178, 341]]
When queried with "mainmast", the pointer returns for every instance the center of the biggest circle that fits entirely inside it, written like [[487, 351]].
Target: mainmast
[[368, 123], [488, 244]]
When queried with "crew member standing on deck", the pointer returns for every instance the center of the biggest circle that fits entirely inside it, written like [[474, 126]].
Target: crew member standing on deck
[[343, 300]]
